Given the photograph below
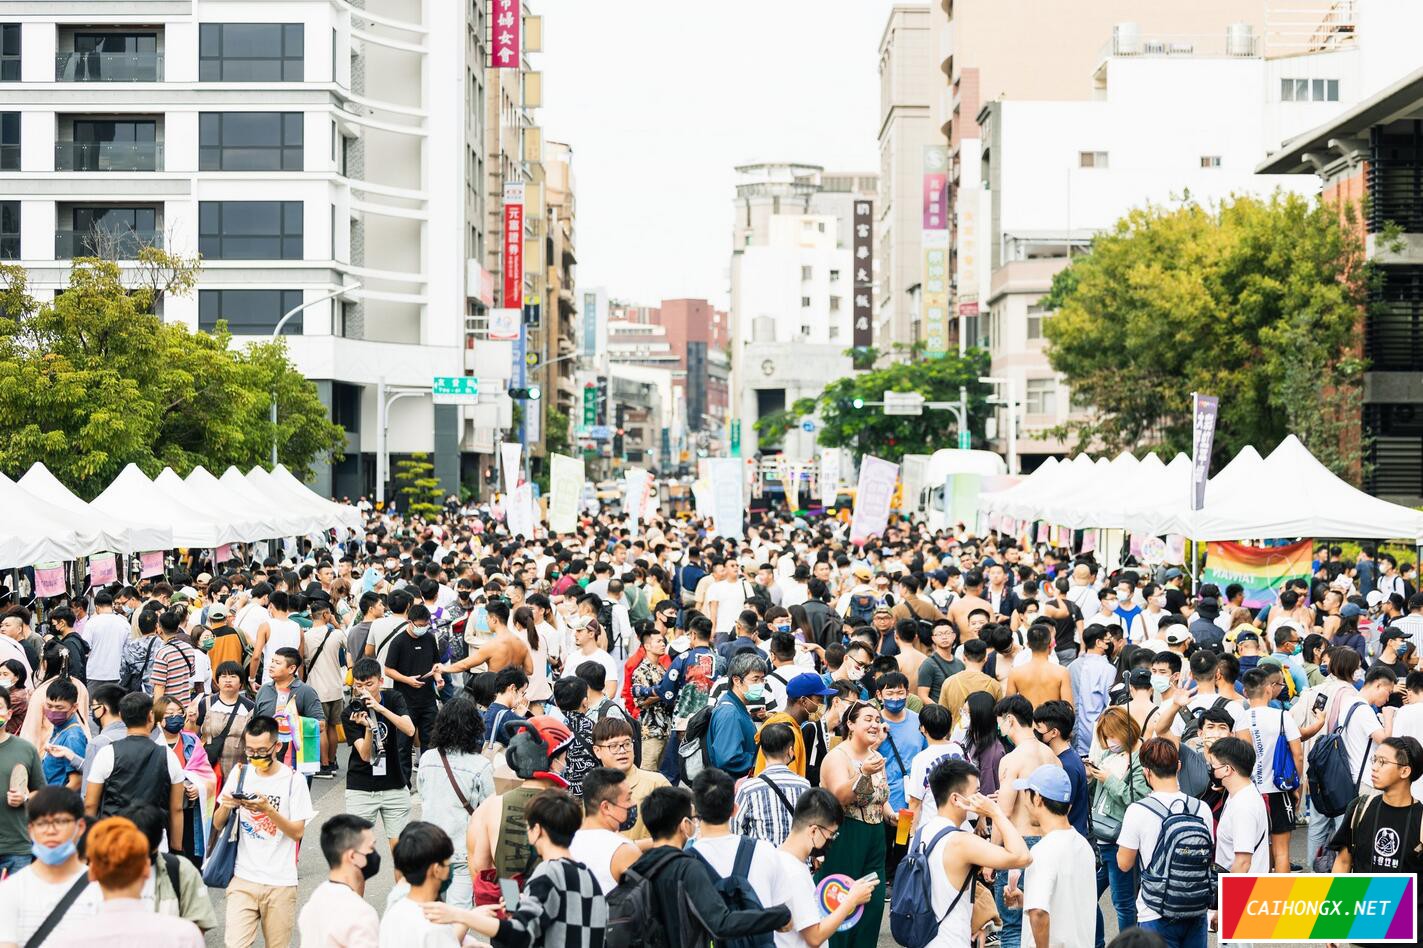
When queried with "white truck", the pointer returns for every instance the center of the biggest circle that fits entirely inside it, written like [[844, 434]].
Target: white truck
[[951, 484]]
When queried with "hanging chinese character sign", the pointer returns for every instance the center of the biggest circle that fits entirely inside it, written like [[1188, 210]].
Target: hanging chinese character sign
[[863, 247], [506, 24], [934, 293], [514, 246]]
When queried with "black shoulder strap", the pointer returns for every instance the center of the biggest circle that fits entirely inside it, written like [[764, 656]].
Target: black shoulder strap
[[170, 865], [319, 649], [777, 791], [56, 914], [745, 849], [391, 638]]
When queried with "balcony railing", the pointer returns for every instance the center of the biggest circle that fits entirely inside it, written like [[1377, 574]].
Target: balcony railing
[[108, 156], [114, 245], [108, 67]]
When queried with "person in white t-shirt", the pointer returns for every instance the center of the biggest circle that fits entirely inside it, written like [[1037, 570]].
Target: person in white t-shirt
[[276, 633], [1261, 727], [1062, 877], [1141, 828], [1243, 835], [1408, 721], [422, 857], [935, 723], [27, 897], [725, 599], [106, 634], [714, 797], [816, 821], [273, 805]]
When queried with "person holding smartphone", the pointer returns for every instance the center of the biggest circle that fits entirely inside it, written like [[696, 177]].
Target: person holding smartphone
[[374, 722]]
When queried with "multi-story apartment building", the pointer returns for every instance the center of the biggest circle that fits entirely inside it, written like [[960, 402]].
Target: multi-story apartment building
[[302, 148], [558, 314], [791, 292], [1371, 156], [906, 80]]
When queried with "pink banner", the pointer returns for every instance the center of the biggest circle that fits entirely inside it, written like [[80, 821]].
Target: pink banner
[[102, 569], [873, 498], [936, 202], [222, 554], [506, 24], [1137, 547], [151, 564], [1089, 541], [1175, 548], [1044, 532], [1063, 537], [49, 580]]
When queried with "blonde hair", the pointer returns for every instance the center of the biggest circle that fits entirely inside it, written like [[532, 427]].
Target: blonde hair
[[1116, 722]]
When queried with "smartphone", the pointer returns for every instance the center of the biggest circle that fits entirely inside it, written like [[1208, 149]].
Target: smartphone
[[1319, 702], [509, 891], [872, 878]]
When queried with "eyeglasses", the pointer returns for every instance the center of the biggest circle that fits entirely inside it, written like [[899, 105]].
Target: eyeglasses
[[829, 836], [54, 823], [617, 747], [1380, 761]]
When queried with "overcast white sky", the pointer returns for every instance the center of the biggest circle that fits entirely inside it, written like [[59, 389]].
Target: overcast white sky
[[660, 99]]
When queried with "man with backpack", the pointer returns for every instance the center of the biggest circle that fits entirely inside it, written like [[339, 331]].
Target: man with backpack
[[748, 867], [1171, 836], [1279, 760], [669, 886], [1380, 833]]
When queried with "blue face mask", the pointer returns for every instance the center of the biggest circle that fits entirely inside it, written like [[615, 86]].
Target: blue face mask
[[53, 856], [895, 705]]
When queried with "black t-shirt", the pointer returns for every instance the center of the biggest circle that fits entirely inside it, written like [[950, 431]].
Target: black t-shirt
[[414, 657], [1385, 839], [360, 774]]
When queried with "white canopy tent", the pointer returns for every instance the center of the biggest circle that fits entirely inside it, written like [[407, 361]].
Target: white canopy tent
[[1104, 503], [280, 484], [1022, 494], [92, 535], [1166, 508], [120, 534], [244, 525], [350, 516], [28, 536], [132, 494], [291, 521]]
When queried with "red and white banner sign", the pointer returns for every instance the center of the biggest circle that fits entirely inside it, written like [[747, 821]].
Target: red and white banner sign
[[513, 246], [506, 25]]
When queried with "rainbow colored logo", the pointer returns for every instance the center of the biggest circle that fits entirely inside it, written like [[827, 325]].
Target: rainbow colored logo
[[1308, 907]]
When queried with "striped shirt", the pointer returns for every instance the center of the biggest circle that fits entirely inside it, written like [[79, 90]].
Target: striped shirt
[[760, 811], [173, 667]]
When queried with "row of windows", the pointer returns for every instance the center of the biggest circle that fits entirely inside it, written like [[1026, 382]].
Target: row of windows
[[227, 230], [1309, 90], [227, 52], [1098, 159]]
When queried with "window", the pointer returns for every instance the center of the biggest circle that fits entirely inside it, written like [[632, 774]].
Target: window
[[1309, 90], [1092, 159], [834, 331], [250, 52], [9, 141], [1036, 314], [805, 302], [9, 52], [250, 312], [1210, 161], [250, 141], [1040, 397], [834, 276], [834, 304], [250, 230], [807, 273], [805, 329], [10, 230]]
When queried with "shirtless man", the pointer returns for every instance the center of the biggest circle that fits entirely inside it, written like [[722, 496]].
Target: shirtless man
[[1015, 722], [1040, 680], [971, 600], [495, 839], [502, 650]]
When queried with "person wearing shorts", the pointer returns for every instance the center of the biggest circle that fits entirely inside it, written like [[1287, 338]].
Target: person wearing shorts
[[374, 722]]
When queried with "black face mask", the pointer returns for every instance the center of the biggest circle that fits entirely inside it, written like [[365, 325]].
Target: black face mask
[[372, 866]]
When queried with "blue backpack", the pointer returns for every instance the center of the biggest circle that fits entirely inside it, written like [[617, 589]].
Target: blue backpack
[[863, 606], [1178, 882], [911, 903], [1286, 773], [1330, 786]]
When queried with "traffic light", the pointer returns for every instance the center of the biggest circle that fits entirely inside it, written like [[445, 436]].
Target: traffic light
[[857, 403], [531, 393]]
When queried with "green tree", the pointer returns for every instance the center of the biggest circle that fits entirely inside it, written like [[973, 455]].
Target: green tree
[[869, 430], [94, 380], [417, 485], [1257, 301]]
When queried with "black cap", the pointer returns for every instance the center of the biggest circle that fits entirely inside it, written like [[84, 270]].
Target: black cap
[[1140, 678]]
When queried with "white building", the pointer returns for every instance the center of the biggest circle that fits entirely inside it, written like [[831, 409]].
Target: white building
[[301, 147], [1172, 116]]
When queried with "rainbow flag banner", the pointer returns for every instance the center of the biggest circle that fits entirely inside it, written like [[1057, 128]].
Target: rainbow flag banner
[[1319, 907], [1262, 570]]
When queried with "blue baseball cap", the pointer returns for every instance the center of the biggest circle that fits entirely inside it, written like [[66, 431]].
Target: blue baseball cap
[[1049, 782], [807, 684]]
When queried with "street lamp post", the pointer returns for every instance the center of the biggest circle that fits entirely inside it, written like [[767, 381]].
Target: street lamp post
[[1010, 393], [384, 399], [277, 331]]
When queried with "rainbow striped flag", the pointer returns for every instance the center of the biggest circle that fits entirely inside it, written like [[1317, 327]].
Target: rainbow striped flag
[[1319, 907], [1262, 570]]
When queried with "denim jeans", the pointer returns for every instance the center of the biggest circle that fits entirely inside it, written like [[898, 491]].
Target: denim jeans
[[1012, 934], [1189, 933], [1321, 830], [11, 863], [1122, 884]]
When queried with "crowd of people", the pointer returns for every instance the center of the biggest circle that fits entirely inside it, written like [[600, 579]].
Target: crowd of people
[[651, 734]]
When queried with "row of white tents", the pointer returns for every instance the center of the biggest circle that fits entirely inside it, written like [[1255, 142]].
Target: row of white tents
[[45, 522], [1288, 493]]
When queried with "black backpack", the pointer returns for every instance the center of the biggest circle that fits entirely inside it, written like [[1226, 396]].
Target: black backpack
[[603, 712], [735, 890], [1332, 782], [694, 752], [1191, 720], [632, 916]]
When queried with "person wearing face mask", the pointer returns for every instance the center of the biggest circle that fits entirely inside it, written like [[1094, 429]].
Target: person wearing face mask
[[1117, 782], [608, 813], [422, 857], [337, 914], [54, 890], [14, 839], [136, 771], [731, 733], [199, 782], [273, 804], [804, 700]]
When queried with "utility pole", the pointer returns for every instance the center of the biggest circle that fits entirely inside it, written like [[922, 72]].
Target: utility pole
[[1010, 394], [277, 331], [385, 397]]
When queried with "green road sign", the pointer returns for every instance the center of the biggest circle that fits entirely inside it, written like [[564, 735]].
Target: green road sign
[[454, 390], [964, 442], [736, 438]]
